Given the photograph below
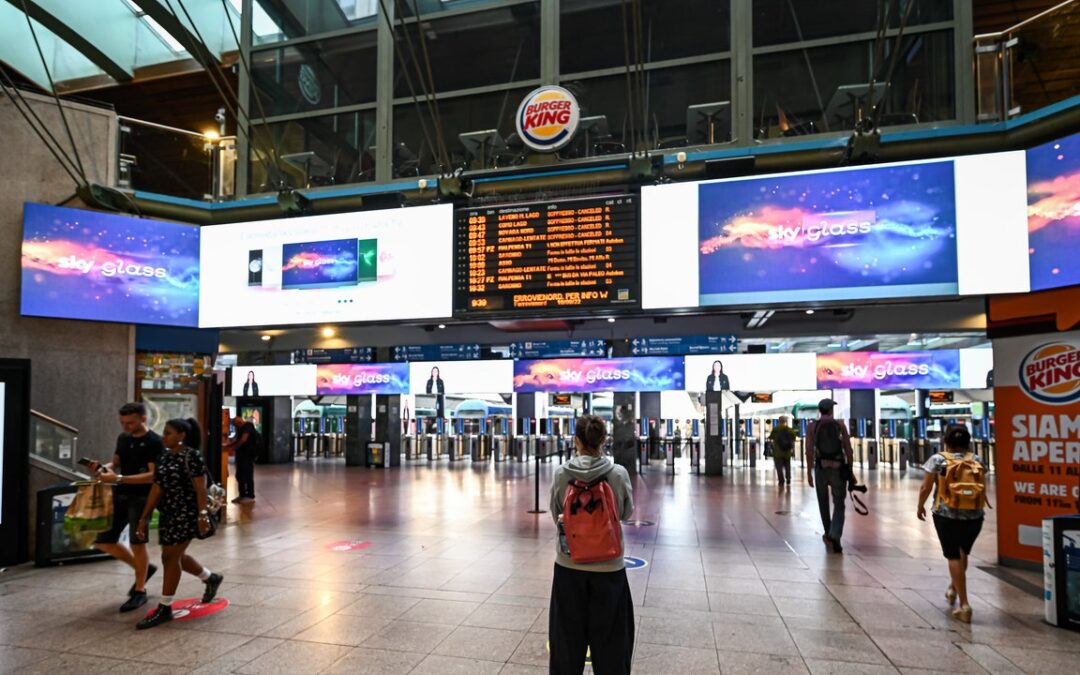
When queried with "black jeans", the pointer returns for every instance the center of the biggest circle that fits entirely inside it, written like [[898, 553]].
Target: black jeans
[[590, 610], [783, 469], [245, 473]]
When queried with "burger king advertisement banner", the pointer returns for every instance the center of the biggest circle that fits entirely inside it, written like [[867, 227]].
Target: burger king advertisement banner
[[547, 118], [1037, 409]]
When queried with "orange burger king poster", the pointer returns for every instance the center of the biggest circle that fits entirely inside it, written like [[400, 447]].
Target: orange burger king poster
[[1037, 418]]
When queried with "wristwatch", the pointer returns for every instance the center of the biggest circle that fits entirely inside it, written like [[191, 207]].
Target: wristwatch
[[119, 478]]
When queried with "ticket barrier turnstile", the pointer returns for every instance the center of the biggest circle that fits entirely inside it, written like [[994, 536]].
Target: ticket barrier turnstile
[[433, 446], [524, 447]]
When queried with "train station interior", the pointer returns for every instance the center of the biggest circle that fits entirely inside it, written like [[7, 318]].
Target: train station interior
[[380, 268]]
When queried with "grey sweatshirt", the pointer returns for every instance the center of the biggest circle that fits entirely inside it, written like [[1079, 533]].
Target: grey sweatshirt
[[586, 469]]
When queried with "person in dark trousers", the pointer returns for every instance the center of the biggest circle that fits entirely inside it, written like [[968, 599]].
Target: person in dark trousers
[[591, 606], [435, 386], [957, 528], [131, 472], [783, 448], [251, 387], [245, 447], [179, 492], [717, 380], [829, 458]]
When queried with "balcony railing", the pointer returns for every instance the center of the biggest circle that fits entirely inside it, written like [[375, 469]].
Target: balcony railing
[[1029, 66], [175, 162]]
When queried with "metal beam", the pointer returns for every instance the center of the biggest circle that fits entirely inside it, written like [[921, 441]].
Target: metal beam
[[179, 30], [73, 37]]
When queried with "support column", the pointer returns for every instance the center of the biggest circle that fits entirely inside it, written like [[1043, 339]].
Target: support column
[[714, 433], [388, 426], [549, 41], [358, 416], [384, 97]]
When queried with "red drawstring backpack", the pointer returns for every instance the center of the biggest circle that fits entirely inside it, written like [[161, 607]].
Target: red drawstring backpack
[[591, 522]]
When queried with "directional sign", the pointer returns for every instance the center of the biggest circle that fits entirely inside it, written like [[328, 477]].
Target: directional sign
[[633, 563], [679, 346], [348, 355], [466, 352], [549, 349]]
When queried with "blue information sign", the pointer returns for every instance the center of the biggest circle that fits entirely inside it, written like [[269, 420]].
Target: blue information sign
[[347, 355], [549, 349], [633, 563], [679, 346], [466, 352]]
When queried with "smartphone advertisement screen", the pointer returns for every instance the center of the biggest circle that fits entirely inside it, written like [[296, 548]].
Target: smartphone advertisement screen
[[394, 264], [79, 264]]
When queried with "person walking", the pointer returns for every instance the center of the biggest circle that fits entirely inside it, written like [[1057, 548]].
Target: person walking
[[783, 449], [591, 606], [131, 472], [958, 478], [829, 458], [180, 491], [245, 445]]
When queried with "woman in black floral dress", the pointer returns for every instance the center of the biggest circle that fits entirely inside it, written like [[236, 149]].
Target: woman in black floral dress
[[179, 492]]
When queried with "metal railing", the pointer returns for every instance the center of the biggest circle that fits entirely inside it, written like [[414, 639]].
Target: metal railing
[[176, 162], [1029, 66], [54, 441]]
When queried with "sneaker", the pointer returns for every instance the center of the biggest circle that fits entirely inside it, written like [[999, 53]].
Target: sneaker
[[962, 614], [150, 569], [137, 600], [163, 614], [212, 585]]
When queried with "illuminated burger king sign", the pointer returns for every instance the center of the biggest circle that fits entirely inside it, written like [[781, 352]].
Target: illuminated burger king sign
[[1051, 373], [548, 118]]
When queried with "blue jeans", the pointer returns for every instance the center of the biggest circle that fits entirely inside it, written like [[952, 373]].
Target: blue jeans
[[825, 480]]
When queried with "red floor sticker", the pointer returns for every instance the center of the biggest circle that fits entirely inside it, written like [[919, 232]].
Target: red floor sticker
[[194, 608], [347, 545]]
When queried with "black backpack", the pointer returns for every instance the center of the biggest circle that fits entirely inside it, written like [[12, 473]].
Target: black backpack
[[827, 441], [785, 441]]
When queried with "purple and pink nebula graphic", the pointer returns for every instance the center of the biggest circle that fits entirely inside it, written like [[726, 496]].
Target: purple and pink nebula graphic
[[97, 266], [937, 369], [1053, 173], [319, 264], [338, 379], [867, 233], [563, 376]]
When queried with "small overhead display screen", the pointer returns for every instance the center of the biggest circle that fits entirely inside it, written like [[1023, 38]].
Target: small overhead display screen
[[394, 264], [548, 257], [79, 264]]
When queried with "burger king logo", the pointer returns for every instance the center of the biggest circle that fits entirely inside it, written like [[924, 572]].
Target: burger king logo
[[1051, 373], [548, 118]]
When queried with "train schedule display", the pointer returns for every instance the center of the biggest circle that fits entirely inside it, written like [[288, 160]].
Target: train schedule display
[[548, 257]]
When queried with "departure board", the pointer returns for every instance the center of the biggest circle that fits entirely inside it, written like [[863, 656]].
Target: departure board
[[548, 257]]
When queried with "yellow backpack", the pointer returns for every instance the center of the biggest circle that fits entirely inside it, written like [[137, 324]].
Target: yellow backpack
[[962, 485]]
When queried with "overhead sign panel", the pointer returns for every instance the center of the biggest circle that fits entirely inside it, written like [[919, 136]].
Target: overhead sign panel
[[463, 352], [346, 355], [678, 346], [546, 349]]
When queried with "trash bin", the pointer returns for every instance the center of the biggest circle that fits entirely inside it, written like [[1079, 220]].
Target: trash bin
[[1061, 571], [376, 455]]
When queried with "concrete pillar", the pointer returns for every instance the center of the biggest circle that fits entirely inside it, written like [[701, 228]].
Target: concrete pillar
[[713, 433], [624, 435], [358, 416], [388, 426]]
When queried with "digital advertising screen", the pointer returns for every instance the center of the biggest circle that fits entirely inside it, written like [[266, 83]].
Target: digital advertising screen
[[937, 369], [298, 380], [915, 229], [751, 372], [394, 264], [1053, 173], [340, 379], [79, 264], [461, 377], [524, 259], [976, 368], [565, 376]]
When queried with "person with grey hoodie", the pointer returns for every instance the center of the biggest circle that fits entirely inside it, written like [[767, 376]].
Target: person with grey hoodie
[[591, 605]]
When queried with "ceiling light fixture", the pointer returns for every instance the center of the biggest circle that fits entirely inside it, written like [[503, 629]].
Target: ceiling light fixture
[[266, 338], [809, 311], [328, 332], [611, 319]]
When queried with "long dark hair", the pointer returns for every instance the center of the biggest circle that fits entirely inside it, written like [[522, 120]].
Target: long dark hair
[[191, 430], [591, 431], [713, 370]]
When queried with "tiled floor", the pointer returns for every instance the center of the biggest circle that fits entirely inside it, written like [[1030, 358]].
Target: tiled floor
[[458, 575]]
